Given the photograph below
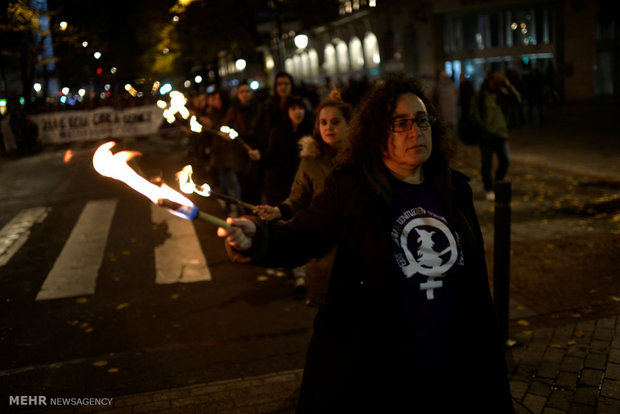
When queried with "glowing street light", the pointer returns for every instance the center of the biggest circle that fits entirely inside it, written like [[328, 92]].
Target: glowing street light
[[37, 87], [301, 41], [63, 25], [240, 64], [84, 43], [65, 91], [97, 55], [198, 79], [82, 92]]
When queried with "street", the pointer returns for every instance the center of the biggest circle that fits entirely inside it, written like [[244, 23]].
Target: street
[[134, 331]]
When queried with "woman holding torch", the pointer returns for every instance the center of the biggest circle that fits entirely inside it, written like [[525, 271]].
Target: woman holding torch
[[319, 155], [408, 316]]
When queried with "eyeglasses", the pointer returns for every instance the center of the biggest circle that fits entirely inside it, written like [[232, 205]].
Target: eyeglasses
[[404, 125]]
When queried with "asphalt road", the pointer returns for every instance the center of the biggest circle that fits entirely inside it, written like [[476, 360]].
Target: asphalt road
[[132, 333]]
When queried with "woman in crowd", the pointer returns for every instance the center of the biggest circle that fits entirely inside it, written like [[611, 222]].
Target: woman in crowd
[[408, 317], [281, 157], [319, 154]]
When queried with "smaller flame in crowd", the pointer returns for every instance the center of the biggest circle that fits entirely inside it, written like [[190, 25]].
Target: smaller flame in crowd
[[228, 130], [188, 186], [177, 105], [194, 125], [67, 157]]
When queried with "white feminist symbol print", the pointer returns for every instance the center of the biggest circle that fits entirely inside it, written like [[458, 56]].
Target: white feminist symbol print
[[428, 262]]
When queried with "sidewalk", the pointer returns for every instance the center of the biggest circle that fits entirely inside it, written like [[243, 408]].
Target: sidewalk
[[567, 358], [572, 368]]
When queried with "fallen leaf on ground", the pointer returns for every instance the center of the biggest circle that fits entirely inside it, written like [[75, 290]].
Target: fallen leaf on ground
[[615, 298], [175, 296], [113, 370], [262, 278], [121, 306], [81, 300], [523, 322], [100, 363]]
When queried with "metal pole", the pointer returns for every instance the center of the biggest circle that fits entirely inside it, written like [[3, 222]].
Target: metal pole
[[501, 255]]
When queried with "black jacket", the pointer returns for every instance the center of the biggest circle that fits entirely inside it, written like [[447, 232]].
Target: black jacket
[[349, 365]]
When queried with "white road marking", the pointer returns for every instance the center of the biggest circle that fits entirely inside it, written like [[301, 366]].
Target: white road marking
[[180, 257], [15, 233], [77, 267]]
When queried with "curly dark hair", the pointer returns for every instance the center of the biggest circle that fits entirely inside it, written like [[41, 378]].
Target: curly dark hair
[[369, 133]]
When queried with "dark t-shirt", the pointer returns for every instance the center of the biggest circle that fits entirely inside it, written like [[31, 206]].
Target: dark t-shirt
[[427, 260]]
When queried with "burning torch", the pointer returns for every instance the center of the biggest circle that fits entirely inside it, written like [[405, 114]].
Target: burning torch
[[115, 166], [188, 186]]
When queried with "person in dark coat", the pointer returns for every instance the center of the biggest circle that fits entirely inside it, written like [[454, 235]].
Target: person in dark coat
[[408, 317], [281, 157], [240, 117], [274, 110]]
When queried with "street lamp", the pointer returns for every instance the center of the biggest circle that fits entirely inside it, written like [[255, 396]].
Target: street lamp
[[301, 41], [240, 64], [97, 55]]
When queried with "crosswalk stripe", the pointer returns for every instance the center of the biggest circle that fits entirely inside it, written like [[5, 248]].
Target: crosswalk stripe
[[180, 257], [15, 233], [76, 269]]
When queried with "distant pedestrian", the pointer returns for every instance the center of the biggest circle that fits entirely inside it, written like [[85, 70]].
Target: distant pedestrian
[[408, 319], [467, 130], [240, 117], [274, 110], [225, 157], [446, 96], [488, 110]]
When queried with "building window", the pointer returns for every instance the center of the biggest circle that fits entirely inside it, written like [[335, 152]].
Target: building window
[[342, 53], [330, 60], [297, 66], [357, 54], [313, 57], [305, 65], [371, 51], [289, 66]]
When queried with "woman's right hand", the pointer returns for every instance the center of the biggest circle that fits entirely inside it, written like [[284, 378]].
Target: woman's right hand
[[268, 213], [239, 235]]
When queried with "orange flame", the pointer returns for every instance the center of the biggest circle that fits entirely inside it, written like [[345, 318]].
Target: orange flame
[[115, 166], [188, 186], [67, 157]]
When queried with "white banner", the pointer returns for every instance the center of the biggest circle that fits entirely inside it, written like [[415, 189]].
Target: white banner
[[101, 123]]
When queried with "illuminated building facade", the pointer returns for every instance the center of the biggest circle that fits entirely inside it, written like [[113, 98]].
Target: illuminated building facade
[[562, 39]]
